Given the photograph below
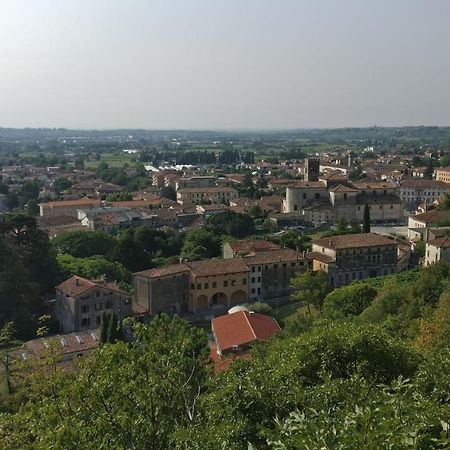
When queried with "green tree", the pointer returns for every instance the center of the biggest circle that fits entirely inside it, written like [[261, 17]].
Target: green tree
[[310, 288], [366, 219], [200, 244], [83, 244]]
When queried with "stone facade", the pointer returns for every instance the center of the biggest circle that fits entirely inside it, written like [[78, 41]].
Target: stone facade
[[80, 303]]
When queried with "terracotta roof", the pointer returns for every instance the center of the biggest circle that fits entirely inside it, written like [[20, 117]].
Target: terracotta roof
[[207, 190], [252, 245], [432, 216], [373, 185], [343, 188], [443, 169], [322, 257], [243, 328], [422, 183], [353, 240], [138, 203], [338, 175], [442, 242], [77, 202], [307, 184], [217, 266], [172, 269], [75, 286], [274, 256], [65, 343]]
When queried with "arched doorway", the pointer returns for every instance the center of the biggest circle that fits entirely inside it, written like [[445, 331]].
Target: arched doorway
[[238, 297], [219, 298]]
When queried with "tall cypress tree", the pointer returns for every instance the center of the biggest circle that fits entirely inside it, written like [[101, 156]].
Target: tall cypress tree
[[104, 328], [112, 329], [366, 219]]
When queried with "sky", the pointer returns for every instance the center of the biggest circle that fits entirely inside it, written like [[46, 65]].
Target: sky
[[224, 64]]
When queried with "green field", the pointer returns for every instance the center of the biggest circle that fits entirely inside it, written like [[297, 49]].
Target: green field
[[113, 160]]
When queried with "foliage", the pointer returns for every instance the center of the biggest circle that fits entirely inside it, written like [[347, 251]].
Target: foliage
[[200, 244], [348, 300], [93, 267], [310, 288], [366, 219], [83, 244], [233, 224]]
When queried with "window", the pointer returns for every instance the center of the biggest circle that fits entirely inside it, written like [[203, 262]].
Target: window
[[98, 319], [259, 268], [108, 304], [214, 284], [225, 283], [98, 306], [199, 285], [206, 286], [253, 290], [304, 196], [192, 286], [259, 279], [275, 266], [253, 268], [253, 279], [233, 282], [284, 264], [97, 294], [85, 309], [292, 264], [244, 280], [345, 196], [295, 208], [85, 322]]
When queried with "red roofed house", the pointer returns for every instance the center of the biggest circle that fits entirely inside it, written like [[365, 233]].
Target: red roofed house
[[235, 332], [80, 303]]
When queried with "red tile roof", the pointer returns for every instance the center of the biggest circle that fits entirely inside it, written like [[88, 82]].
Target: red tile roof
[[217, 266], [172, 269], [75, 286], [353, 240], [242, 328], [252, 245]]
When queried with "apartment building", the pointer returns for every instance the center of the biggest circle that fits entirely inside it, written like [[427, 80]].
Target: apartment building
[[80, 303], [352, 257], [420, 224]]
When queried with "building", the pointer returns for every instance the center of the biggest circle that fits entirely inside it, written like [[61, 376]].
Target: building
[[312, 166], [271, 272], [163, 289], [67, 207], [352, 257], [237, 331], [317, 203], [437, 250], [246, 247], [80, 303], [218, 195], [414, 191], [217, 282], [420, 224], [66, 346], [443, 174]]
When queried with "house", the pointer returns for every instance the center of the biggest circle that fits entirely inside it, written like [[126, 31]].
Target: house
[[66, 346], [437, 249], [420, 224], [80, 303], [237, 331], [351, 257]]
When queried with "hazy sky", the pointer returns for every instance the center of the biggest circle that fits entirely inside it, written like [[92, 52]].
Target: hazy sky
[[224, 63]]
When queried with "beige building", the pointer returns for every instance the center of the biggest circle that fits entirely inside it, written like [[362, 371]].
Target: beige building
[[414, 191], [443, 174], [67, 207], [437, 250], [215, 195], [247, 247], [352, 257], [218, 281], [420, 224], [80, 303]]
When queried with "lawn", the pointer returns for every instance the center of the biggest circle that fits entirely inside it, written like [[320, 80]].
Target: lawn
[[113, 160]]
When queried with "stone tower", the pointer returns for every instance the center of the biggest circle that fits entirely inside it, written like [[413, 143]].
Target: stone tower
[[311, 169]]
